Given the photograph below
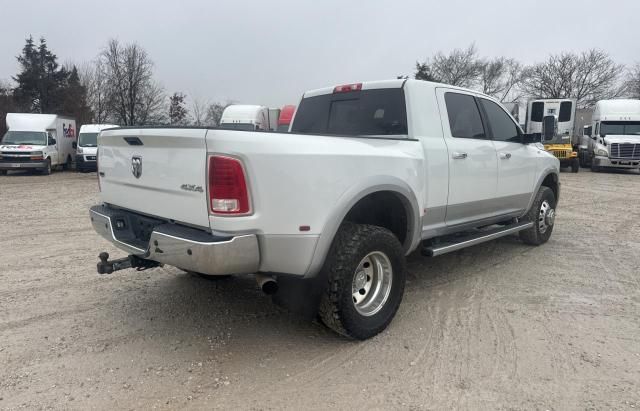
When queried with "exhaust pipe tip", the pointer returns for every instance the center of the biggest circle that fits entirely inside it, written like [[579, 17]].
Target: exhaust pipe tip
[[267, 284]]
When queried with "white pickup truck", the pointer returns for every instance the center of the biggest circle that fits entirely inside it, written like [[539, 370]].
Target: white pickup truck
[[369, 173]]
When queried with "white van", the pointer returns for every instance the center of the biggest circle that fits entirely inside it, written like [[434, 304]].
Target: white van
[[247, 117], [88, 145], [613, 138], [37, 142]]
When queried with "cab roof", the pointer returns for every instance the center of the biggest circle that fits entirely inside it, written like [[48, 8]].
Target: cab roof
[[385, 84], [95, 128], [618, 107]]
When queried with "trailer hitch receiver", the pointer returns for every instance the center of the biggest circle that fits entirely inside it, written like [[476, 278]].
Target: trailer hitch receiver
[[107, 267]]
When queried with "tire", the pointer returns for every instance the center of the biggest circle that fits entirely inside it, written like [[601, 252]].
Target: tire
[[542, 213], [362, 256], [68, 165], [47, 170], [575, 165]]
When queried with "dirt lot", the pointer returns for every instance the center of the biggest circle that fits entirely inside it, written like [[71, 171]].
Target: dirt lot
[[496, 326]]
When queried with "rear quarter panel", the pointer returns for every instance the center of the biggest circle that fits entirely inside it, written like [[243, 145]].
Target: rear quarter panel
[[308, 180]]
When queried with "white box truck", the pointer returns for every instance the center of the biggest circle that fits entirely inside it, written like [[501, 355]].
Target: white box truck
[[37, 142], [88, 146], [245, 117], [612, 140], [250, 117]]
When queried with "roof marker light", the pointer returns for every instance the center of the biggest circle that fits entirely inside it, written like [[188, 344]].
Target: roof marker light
[[345, 88]]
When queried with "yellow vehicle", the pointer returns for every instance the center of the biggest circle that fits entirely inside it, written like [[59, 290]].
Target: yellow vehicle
[[565, 153], [554, 119]]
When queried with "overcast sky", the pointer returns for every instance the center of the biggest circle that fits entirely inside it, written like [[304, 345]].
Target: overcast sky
[[269, 52]]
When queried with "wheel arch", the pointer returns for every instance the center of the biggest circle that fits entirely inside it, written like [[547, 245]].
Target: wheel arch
[[549, 178], [352, 199]]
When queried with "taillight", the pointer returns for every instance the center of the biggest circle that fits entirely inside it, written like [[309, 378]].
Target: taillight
[[347, 88], [228, 192]]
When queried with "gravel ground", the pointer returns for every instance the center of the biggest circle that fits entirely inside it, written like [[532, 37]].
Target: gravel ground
[[497, 326]]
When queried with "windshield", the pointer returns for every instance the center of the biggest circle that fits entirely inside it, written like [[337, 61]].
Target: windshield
[[25, 137], [239, 126], [88, 139], [620, 128], [376, 112]]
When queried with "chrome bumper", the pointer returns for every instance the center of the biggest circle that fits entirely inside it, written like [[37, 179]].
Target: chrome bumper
[[22, 166], [616, 162], [184, 247]]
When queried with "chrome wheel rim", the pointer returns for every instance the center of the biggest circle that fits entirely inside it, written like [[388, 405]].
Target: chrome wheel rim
[[371, 283], [546, 217]]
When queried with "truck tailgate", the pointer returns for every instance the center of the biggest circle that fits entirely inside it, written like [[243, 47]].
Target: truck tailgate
[[156, 171]]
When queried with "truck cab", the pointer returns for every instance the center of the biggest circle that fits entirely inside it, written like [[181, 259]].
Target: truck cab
[[553, 120], [368, 173], [37, 142], [87, 146], [613, 138]]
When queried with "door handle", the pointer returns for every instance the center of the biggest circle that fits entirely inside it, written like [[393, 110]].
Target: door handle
[[505, 156], [459, 156]]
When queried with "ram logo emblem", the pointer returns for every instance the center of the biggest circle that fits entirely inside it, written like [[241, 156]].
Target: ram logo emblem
[[136, 166]]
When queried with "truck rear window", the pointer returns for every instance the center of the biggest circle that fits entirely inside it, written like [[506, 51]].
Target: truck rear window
[[377, 112]]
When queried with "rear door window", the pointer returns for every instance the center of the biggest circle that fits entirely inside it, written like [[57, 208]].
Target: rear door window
[[464, 117], [376, 112]]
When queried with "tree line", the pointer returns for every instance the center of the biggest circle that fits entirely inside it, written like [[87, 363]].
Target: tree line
[[587, 76], [119, 85]]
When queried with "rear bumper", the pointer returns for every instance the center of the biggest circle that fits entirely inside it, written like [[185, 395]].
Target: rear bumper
[[616, 162], [22, 165], [180, 246]]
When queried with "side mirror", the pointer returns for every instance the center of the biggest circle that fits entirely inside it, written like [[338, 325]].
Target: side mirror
[[74, 145], [530, 138], [593, 137], [52, 141]]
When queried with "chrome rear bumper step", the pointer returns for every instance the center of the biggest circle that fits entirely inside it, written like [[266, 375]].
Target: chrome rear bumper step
[[473, 239]]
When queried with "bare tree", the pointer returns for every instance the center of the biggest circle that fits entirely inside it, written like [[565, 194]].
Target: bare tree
[[134, 96], [500, 78], [214, 114], [94, 79], [633, 82], [461, 67], [7, 104], [150, 109], [198, 111], [588, 77]]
